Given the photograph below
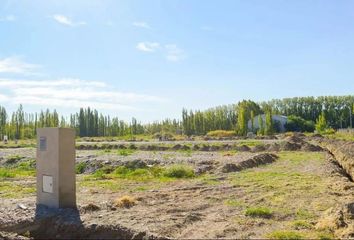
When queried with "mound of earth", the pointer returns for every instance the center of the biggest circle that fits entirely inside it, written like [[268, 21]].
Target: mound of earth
[[264, 158], [339, 220]]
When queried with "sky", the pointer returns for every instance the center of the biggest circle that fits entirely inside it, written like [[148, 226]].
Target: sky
[[151, 58]]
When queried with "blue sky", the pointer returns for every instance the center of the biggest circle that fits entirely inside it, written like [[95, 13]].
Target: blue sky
[[150, 58]]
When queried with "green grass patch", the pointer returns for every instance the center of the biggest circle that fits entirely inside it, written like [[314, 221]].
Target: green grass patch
[[262, 212], [285, 235], [125, 152], [13, 190], [16, 172], [6, 173], [301, 224], [234, 203]]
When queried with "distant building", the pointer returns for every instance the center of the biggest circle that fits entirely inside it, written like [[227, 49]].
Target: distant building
[[279, 122]]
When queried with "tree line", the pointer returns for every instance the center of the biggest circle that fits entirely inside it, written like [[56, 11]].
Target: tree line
[[302, 114]]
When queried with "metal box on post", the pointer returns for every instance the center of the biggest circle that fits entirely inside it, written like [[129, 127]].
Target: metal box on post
[[56, 184]]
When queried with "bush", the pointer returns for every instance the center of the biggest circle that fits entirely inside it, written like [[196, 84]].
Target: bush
[[179, 171], [221, 133], [262, 212]]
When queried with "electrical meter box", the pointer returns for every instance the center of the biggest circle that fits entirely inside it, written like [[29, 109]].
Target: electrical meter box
[[56, 184]]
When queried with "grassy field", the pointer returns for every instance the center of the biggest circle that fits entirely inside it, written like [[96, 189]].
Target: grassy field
[[285, 198]]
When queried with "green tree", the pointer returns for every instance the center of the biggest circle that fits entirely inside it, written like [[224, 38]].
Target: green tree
[[241, 128], [321, 123], [269, 128], [261, 125], [252, 120]]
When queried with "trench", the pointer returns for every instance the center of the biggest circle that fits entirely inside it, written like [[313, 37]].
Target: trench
[[67, 225], [341, 170], [49, 229]]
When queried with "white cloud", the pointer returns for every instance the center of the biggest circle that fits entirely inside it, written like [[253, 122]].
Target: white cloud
[[70, 93], [174, 54], [141, 25], [17, 65], [8, 18], [147, 46], [67, 21]]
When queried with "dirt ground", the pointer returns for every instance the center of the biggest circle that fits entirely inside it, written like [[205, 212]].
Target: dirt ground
[[283, 189]]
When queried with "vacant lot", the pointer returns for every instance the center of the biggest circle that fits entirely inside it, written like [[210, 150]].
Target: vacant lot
[[283, 189]]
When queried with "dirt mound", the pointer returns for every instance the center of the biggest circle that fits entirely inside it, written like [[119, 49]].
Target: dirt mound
[[294, 139], [259, 148], [264, 158], [243, 148], [311, 148], [90, 208], [290, 146], [338, 220]]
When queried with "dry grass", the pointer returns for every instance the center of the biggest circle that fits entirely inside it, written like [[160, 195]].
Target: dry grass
[[125, 202]]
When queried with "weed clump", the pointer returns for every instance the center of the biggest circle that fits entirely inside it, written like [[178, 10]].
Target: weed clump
[[80, 167], [179, 171], [261, 212], [301, 224], [125, 202], [286, 235]]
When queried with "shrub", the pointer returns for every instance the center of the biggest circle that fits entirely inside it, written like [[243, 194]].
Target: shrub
[[125, 202], [286, 235], [262, 212], [179, 171], [221, 133]]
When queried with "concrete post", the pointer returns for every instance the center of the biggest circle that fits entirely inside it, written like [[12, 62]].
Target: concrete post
[[56, 184]]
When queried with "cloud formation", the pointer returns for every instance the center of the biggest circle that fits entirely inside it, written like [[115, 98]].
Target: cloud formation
[[67, 21], [70, 93], [147, 46], [16, 65], [141, 25]]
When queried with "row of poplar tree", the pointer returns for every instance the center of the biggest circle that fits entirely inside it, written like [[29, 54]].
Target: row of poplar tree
[[89, 122]]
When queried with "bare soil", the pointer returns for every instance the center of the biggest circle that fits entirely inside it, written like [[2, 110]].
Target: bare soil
[[305, 188]]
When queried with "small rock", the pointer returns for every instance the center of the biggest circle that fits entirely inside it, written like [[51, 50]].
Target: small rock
[[21, 206]]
